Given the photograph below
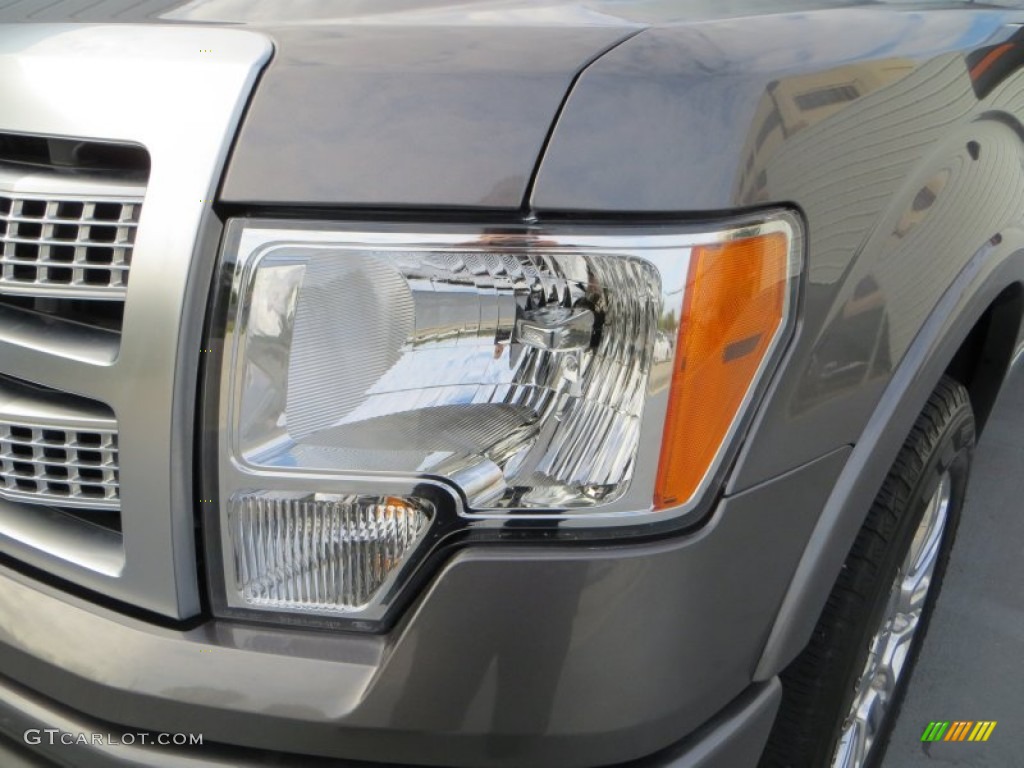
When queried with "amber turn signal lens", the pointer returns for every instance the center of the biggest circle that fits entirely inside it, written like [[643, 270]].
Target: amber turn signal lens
[[734, 308]]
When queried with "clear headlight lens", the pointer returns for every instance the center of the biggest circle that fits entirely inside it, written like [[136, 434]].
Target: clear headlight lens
[[521, 373], [520, 376], [320, 552]]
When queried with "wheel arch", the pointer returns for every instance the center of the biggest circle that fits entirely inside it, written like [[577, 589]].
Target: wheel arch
[[971, 334], [985, 355]]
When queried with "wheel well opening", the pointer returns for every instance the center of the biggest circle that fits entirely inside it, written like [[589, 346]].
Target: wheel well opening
[[982, 360]]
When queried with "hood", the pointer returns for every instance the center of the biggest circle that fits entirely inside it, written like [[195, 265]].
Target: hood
[[270, 14], [408, 103]]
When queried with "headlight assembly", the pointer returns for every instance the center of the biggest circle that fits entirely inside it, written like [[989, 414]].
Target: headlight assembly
[[376, 386]]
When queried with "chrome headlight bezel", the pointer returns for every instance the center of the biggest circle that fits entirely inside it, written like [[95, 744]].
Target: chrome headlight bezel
[[227, 473]]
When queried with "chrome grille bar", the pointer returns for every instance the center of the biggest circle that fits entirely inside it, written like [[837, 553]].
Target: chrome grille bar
[[57, 449], [68, 468], [57, 242], [139, 356]]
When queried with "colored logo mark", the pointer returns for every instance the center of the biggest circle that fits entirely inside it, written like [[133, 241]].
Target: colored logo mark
[[959, 730]]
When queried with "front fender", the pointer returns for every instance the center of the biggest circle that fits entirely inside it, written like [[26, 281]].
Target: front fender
[[993, 273]]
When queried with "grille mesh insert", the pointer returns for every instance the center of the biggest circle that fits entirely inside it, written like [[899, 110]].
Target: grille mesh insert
[[66, 247], [59, 466]]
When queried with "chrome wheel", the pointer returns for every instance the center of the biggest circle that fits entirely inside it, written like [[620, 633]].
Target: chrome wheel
[[890, 645]]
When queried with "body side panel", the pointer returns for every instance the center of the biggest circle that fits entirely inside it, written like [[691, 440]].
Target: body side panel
[[984, 279], [901, 157], [900, 142], [506, 660]]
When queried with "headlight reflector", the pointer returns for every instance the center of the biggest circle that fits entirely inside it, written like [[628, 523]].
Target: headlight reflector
[[380, 390], [321, 553], [519, 375]]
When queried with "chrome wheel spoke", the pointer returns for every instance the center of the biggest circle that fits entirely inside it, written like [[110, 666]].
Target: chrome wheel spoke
[[850, 745], [889, 647]]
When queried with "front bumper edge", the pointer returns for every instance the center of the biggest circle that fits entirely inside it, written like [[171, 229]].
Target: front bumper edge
[[734, 738]]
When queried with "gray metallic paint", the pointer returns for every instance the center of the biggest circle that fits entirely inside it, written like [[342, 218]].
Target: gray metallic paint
[[735, 737], [917, 280], [661, 125], [340, 109], [977, 288], [684, 101], [506, 660]]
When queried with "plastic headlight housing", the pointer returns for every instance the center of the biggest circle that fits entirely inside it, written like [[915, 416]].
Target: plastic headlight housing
[[373, 383]]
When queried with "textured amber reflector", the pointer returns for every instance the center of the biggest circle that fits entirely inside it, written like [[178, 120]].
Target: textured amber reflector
[[734, 307]]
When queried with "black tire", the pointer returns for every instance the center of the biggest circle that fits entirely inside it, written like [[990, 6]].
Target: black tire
[[818, 687]]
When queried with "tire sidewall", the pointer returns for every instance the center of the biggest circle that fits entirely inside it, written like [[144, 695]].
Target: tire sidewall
[[953, 453]]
